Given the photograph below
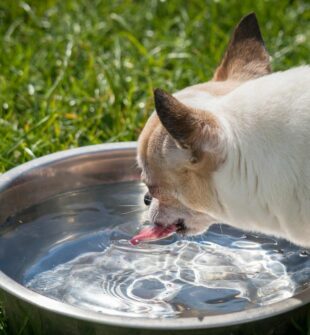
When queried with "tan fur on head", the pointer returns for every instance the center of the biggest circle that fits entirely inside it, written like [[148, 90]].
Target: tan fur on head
[[189, 127], [182, 144]]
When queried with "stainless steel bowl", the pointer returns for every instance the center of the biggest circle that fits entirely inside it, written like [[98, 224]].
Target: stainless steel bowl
[[32, 313]]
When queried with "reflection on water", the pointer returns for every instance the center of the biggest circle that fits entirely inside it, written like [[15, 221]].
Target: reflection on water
[[182, 277], [219, 272]]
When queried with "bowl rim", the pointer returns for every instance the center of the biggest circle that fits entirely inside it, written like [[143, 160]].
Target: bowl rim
[[12, 287]]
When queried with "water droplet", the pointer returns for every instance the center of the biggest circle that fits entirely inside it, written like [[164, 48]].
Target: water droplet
[[304, 253]]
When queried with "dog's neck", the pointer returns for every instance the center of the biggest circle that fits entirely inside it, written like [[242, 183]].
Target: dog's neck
[[253, 192]]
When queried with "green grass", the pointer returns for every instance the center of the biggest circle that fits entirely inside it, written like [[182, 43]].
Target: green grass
[[75, 73], [80, 72]]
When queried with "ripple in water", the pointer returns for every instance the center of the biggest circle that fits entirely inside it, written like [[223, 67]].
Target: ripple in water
[[189, 277], [74, 248]]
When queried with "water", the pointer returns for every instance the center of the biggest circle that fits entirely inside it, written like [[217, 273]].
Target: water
[[85, 260]]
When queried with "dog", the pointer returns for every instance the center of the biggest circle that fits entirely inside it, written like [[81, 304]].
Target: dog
[[235, 149]]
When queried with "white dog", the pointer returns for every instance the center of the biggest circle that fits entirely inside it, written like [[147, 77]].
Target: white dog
[[233, 150]]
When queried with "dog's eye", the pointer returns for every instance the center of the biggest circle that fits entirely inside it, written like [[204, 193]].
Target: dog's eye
[[147, 199]]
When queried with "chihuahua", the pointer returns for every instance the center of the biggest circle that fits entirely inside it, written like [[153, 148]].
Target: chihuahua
[[235, 149]]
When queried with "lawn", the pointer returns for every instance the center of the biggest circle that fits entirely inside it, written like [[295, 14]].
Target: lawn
[[81, 72]]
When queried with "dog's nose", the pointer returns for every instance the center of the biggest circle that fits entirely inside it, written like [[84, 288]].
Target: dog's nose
[[147, 199]]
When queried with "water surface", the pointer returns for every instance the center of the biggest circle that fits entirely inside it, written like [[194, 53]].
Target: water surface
[[74, 248]]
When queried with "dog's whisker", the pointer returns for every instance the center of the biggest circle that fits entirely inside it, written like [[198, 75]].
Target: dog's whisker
[[133, 211]]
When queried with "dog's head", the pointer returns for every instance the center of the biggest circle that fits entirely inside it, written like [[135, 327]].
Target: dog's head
[[183, 143]]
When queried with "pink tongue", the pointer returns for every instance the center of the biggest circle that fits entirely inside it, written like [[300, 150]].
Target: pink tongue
[[153, 233]]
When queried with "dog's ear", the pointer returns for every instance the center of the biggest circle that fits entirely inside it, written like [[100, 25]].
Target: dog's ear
[[190, 128], [246, 56]]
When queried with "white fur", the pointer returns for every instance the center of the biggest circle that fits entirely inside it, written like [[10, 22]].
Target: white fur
[[264, 184]]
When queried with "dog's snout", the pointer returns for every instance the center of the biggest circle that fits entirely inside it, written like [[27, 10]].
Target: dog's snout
[[147, 199]]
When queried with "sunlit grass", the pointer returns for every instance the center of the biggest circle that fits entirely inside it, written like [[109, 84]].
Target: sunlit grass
[[75, 73], [80, 72]]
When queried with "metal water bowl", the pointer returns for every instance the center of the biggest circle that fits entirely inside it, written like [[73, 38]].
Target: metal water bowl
[[32, 313]]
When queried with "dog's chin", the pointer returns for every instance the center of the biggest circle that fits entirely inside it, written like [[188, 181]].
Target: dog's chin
[[192, 231], [184, 229]]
